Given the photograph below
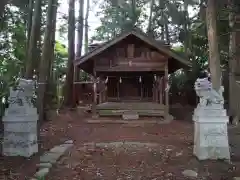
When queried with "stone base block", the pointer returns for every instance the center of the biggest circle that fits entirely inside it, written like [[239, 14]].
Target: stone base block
[[26, 151], [19, 138], [21, 111], [210, 152], [130, 116], [20, 126]]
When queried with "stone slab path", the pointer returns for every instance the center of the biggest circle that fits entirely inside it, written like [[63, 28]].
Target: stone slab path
[[48, 159]]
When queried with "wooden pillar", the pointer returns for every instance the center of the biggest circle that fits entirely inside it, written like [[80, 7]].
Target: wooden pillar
[[156, 90], [106, 93], [100, 97], [118, 89], [166, 92], [153, 91], [160, 91], [141, 86], [94, 111]]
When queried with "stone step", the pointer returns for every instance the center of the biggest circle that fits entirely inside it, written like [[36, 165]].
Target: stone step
[[147, 112]]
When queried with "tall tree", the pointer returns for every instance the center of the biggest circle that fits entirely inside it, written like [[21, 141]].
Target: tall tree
[[214, 57], [80, 28], [233, 62], [186, 28], [79, 47], [150, 21], [33, 38], [29, 20], [68, 91], [86, 26], [46, 57], [3, 3]]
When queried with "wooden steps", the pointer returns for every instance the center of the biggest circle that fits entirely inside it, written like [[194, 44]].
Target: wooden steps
[[141, 108]]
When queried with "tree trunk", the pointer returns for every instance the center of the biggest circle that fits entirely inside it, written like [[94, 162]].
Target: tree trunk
[[134, 16], [3, 3], [214, 57], [79, 48], [32, 45], [186, 30], [51, 86], [38, 47], [80, 28], [68, 91], [232, 60], [29, 20], [149, 29], [167, 32], [46, 57], [86, 27]]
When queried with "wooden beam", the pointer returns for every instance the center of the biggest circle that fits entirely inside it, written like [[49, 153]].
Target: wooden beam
[[142, 63], [127, 68], [166, 92]]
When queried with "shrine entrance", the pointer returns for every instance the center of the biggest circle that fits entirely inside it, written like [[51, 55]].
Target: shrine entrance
[[130, 88]]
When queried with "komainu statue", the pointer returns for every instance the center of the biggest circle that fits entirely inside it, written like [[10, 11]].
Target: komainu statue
[[208, 96], [23, 94]]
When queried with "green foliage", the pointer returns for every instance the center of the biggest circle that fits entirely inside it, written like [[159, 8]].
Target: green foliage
[[116, 19], [12, 48], [60, 62]]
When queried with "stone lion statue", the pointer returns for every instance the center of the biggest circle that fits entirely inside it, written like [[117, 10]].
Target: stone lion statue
[[23, 93], [208, 96]]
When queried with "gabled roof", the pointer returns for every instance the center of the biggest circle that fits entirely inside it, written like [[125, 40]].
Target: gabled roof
[[152, 42]]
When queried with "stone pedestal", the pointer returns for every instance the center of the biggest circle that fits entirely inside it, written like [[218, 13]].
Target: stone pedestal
[[210, 133], [210, 126], [20, 122]]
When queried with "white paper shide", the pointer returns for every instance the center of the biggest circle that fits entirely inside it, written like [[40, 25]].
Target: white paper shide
[[20, 122], [210, 123]]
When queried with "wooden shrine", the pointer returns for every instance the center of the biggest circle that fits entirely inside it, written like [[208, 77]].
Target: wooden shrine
[[131, 74]]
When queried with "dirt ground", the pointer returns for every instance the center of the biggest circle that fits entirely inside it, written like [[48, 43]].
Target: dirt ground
[[167, 160]]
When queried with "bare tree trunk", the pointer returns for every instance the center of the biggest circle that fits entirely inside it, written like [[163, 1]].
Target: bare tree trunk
[[38, 47], [30, 20], [80, 28], [68, 91], [32, 45], [134, 16], [86, 27], [46, 57], [149, 29], [186, 31], [79, 48], [3, 3], [51, 87], [214, 57], [232, 59], [167, 32]]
